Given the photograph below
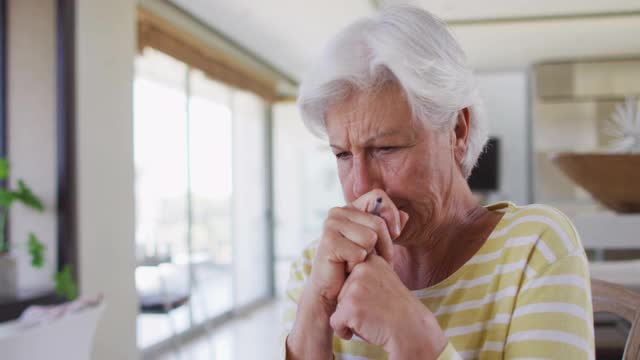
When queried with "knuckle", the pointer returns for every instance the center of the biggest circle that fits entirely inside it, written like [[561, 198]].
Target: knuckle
[[327, 234], [365, 269], [356, 273], [330, 223], [362, 255], [335, 212], [357, 314], [346, 304], [356, 290], [370, 238], [379, 223], [349, 303], [355, 257], [329, 239]]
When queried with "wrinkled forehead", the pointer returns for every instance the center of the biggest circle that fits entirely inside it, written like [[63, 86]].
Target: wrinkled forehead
[[362, 115]]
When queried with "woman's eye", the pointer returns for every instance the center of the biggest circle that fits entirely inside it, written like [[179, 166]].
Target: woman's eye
[[342, 155], [386, 149]]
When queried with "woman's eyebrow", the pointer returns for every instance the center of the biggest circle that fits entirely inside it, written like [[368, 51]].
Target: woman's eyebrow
[[383, 134]]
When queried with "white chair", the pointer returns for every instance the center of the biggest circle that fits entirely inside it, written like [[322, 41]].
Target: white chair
[[69, 337]]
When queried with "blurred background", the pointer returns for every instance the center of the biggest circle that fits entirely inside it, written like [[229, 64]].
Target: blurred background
[[178, 178]]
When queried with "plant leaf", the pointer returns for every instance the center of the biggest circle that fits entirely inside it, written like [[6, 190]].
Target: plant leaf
[[64, 283], [6, 198], [36, 250], [26, 196], [624, 127], [4, 169]]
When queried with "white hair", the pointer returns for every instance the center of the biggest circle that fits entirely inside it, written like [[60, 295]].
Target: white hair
[[411, 47]]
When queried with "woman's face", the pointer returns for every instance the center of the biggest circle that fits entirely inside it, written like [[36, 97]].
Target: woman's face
[[378, 146]]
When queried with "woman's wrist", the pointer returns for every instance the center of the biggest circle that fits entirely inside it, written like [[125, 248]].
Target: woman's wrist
[[422, 339], [311, 336]]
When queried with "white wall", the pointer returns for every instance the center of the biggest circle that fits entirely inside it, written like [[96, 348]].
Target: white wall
[[104, 140], [31, 133], [105, 47], [505, 95]]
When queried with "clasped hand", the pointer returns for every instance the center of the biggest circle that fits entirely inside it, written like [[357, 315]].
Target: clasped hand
[[353, 277]]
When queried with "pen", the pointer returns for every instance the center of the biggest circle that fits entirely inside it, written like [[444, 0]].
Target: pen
[[376, 207]]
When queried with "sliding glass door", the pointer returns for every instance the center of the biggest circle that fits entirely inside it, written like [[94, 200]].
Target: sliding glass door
[[161, 185], [250, 216], [211, 179], [201, 197]]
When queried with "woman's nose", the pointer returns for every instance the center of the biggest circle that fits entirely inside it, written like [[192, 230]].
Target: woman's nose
[[365, 177]]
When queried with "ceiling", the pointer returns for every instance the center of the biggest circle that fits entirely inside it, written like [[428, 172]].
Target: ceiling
[[496, 35], [499, 9]]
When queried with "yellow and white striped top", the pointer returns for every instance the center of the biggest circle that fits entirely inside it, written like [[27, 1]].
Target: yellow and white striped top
[[525, 294]]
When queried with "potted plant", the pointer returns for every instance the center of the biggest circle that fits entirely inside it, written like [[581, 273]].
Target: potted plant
[[64, 283]]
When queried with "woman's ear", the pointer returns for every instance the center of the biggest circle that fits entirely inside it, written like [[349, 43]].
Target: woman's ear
[[461, 133]]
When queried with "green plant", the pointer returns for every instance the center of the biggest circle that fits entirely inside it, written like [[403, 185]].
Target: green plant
[[25, 196], [65, 285], [624, 127], [36, 250]]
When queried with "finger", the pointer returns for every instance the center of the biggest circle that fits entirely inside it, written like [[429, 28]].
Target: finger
[[362, 235], [375, 261], [361, 276], [383, 242], [404, 218], [339, 323], [387, 209], [391, 215], [346, 251]]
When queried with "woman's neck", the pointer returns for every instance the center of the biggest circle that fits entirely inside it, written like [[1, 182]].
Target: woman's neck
[[446, 248]]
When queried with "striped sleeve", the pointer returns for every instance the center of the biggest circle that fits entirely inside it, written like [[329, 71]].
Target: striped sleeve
[[449, 353], [552, 316]]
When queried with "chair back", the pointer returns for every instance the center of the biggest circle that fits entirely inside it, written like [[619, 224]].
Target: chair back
[[615, 299]]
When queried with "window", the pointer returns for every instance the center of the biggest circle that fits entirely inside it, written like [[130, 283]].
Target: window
[[201, 196]]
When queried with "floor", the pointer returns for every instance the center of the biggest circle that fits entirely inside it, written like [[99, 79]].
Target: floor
[[212, 296], [255, 336]]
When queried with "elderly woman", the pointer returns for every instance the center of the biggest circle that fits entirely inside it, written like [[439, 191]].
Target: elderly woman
[[413, 267]]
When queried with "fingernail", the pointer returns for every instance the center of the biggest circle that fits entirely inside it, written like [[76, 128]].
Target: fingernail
[[398, 230]]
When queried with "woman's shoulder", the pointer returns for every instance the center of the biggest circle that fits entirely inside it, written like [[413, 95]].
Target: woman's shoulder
[[556, 235]]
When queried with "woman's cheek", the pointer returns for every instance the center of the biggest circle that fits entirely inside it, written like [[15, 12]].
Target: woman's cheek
[[395, 165], [345, 180], [343, 170]]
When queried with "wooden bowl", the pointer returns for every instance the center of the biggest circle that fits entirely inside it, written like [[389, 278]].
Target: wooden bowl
[[612, 179]]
